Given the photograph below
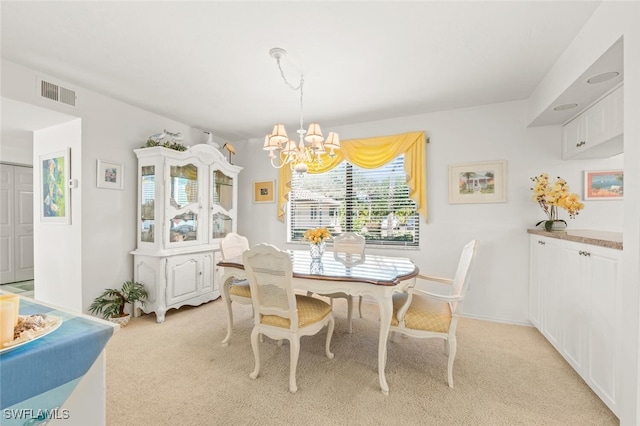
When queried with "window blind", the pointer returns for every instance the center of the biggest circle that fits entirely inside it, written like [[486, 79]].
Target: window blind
[[372, 202]]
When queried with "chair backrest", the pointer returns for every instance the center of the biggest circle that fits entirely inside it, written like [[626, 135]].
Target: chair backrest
[[348, 248], [462, 276], [349, 242], [233, 245], [270, 278]]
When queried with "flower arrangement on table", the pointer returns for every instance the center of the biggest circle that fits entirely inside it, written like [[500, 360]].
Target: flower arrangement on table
[[316, 235], [553, 195], [317, 238]]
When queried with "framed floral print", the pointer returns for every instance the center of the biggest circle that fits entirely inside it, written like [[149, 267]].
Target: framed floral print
[[55, 203]]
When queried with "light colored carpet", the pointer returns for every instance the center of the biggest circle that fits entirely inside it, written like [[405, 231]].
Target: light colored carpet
[[176, 373]]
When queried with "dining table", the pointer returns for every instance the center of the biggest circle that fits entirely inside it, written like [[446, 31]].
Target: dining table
[[372, 275]]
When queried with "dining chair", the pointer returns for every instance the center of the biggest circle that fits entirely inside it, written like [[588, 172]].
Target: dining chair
[[424, 314], [279, 312], [348, 249], [233, 246]]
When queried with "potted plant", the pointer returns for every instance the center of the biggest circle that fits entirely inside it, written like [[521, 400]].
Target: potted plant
[[110, 304], [551, 196]]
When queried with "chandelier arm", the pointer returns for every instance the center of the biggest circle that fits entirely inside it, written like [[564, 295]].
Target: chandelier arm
[[282, 163]]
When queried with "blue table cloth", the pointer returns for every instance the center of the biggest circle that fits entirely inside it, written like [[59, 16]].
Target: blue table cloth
[[53, 364]]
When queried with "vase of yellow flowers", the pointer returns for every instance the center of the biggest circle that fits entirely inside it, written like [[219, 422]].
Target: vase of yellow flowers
[[552, 196], [317, 238]]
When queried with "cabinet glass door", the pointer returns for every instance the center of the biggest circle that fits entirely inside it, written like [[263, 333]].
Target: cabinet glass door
[[221, 204], [147, 201], [183, 225]]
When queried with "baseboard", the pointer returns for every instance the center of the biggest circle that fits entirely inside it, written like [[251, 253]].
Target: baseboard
[[370, 300], [499, 320]]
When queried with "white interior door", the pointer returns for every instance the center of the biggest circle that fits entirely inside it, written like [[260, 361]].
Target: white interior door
[[23, 256], [7, 270], [16, 223]]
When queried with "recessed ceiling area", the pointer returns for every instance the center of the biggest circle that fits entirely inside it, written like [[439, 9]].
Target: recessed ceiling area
[[206, 63], [604, 75]]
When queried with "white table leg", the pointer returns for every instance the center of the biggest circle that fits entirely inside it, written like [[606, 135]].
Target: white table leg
[[226, 282], [386, 310]]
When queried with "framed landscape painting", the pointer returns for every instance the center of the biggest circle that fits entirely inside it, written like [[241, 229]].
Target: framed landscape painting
[[54, 178], [604, 185], [482, 182]]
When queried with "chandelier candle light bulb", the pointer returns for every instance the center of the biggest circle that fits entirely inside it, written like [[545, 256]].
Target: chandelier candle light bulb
[[553, 195]]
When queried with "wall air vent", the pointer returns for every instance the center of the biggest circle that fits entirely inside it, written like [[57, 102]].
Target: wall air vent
[[57, 93]]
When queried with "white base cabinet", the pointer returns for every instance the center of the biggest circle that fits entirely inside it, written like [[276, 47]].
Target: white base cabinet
[[176, 280], [575, 303]]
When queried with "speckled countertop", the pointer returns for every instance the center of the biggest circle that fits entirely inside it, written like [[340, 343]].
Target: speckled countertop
[[597, 238]]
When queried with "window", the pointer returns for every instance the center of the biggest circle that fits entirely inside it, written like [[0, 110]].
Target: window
[[372, 202]]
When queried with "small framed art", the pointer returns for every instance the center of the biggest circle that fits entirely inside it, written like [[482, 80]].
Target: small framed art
[[604, 185], [55, 203], [109, 175], [482, 182], [264, 192]]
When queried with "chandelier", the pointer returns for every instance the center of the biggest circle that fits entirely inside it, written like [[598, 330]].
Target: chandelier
[[311, 149]]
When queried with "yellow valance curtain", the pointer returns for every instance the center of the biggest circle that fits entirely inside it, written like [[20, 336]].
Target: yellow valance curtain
[[371, 153]]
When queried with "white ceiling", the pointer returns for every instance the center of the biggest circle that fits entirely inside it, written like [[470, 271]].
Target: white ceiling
[[206, 64]]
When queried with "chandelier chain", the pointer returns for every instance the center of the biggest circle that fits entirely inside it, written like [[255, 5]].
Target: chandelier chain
[[300, 88], [310, 150]]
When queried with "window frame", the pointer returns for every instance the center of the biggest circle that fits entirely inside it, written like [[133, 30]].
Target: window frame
[[410, 222]]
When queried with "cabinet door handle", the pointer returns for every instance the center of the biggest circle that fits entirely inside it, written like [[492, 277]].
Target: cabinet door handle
[[541, 242], [578, 145]]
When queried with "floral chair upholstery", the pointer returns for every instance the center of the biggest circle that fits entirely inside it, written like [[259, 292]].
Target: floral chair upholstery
[[279, 312], [423, 314]]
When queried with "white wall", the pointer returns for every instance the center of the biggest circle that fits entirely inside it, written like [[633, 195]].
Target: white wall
[[58, 253], [110, 130], [611, 21], [499, 290]]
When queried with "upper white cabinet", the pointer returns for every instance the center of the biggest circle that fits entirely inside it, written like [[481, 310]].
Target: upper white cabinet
[[597, 132], [187, 202]]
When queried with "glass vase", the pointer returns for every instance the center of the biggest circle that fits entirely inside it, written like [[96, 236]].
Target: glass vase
[[317, 250]]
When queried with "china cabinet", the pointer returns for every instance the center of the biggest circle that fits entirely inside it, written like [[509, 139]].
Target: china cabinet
[[598, 131], [187, 202], [575, 301]]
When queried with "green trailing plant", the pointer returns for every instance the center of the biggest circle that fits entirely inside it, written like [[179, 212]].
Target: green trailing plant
[[111, 303], [167, 144]]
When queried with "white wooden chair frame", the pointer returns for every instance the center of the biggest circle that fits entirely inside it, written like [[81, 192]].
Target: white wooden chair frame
[[348, 248], [459, 285], [267, 260]]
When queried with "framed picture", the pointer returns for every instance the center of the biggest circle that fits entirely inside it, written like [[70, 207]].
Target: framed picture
[[604, 185], [484, 182], [109, 175], [264, 192], [55, 205]]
